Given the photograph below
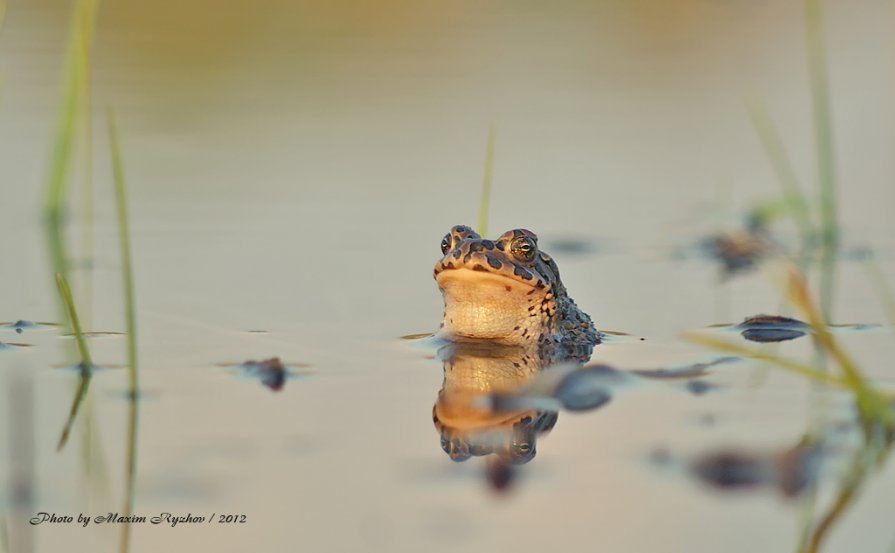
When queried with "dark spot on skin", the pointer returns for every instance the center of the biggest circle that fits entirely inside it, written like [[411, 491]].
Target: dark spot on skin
[[466, 257], [476, 247], [515, 328], [500, 245], [478, 267], [509, 288], [493, 261], [457, 254], [525, 333], [520, 272], [487, 244], [540, 285]]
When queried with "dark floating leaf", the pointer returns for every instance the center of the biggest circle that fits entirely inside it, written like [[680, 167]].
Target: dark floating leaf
[[772, 328], [271, 372], [739, 251], [790, 471]]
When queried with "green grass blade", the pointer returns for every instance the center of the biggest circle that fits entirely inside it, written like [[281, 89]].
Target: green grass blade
[[796, 367], [849, 490], [77, 62], [130, 317], [126, 259], [68, 302], [782, 166], [486, 183], [823, 127], [86, 362], [823, 136], [80, 394]]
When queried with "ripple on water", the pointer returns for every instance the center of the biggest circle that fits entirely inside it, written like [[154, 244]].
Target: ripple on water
[[5, 346], [22, 325]]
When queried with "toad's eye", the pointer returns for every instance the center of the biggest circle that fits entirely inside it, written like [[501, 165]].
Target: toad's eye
[[446, 244], [524, 248]]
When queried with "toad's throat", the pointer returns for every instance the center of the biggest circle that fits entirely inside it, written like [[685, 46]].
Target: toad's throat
[[483, 305]]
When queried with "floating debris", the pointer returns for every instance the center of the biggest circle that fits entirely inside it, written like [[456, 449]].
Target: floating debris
[[272, 372], [772, 328], [789, 471], [740, 250], [776, 328]]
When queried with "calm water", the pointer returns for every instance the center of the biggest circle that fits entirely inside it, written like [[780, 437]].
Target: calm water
[[292, 169]]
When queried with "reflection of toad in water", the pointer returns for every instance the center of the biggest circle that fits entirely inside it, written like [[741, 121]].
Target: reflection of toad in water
[[466, 418], [507, 315]]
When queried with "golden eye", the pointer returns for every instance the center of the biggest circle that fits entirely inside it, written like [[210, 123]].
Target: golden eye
[[446, 244], [524, 248]]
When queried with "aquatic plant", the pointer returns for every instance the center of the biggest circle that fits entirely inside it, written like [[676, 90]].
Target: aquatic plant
[[86, 364], [826, 233], [793, 203], [131, 322], [873, 405], [75, 87]]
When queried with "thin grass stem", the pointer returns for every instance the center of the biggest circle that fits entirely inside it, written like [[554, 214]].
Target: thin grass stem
[[86, 364], [77, 59], [69, 303], [782, 166], [130, 317], [486, 183], [796, 367], [823, 135]]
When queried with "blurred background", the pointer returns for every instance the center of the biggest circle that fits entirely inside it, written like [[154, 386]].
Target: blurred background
[[292, 167]]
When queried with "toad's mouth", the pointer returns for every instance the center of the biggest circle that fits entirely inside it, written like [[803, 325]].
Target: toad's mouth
[[485, 305]]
